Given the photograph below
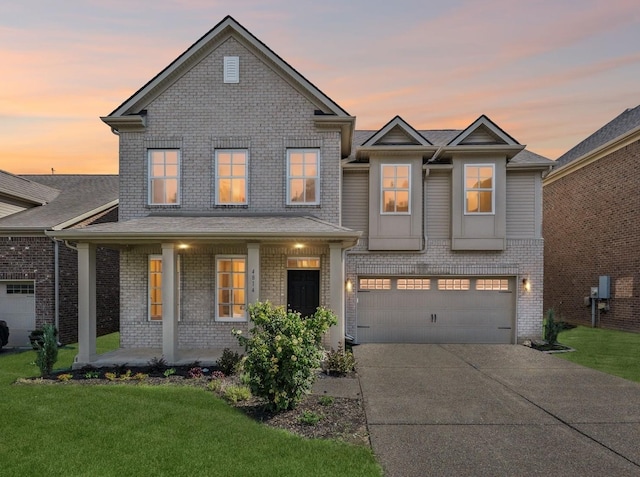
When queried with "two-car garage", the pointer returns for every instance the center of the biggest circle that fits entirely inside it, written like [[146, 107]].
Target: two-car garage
[[397, 309]]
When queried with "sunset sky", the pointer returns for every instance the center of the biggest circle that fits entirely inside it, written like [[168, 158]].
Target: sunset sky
[[549, 72]]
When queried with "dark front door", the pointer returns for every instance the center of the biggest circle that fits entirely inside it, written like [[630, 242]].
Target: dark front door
[[303, 291]]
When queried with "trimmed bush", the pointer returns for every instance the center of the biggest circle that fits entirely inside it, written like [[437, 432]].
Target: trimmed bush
[[47, 350], [282, 352], [552, 327]]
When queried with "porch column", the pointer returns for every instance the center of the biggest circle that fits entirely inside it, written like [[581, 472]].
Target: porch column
[[86, 303], [253, 273], [336, 294], [169, 303]]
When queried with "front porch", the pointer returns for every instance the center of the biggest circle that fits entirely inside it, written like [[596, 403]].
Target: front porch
[[142, 357]]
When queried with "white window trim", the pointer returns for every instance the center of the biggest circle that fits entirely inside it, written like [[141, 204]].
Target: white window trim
[[178, 277], [246, 177], [382, 189], [317, 176], [246, 277], [493, 190], [150, 177]]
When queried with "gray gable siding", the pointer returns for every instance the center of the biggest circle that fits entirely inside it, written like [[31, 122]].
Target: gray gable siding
[[355, 205], [263, 109], [438, 205], [8, 207], [522, 204]]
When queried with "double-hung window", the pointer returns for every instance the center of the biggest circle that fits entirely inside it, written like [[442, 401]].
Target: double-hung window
[[231, 285], [479, 188], [155, 287], [164, 176], [396, 189], [303, 179], [231, 176]]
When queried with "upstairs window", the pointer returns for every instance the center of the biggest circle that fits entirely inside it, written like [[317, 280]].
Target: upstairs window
[[303, 177], [479, 188], [396, 189], [231, 176], [164, 176]]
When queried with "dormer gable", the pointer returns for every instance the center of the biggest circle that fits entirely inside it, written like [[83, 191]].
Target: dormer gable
[[483, 132], [397, 132]]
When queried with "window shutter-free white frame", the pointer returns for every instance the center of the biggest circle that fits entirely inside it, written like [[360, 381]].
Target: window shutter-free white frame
[[231, 69]]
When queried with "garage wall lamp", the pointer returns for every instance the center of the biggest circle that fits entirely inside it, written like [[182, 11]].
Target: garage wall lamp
[[348, 285], [526, 283]]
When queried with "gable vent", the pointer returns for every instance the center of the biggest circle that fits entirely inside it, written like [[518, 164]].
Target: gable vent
[[231, 69], [396, 136], [482, 136]]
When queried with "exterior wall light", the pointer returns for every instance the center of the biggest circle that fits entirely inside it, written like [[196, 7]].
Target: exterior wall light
[[526, 283], [348, 285]]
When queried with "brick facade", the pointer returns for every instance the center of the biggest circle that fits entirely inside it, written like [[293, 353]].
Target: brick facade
[[591, 227], [33, 258], [198, 327], [200, 113]]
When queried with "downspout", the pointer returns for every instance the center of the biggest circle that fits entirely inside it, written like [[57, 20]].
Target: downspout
[[56, 274]]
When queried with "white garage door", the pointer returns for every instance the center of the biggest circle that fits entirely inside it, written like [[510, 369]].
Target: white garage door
[[18, 309], [436, 310]]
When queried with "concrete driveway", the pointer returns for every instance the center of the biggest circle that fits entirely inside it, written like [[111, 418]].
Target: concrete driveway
[[495, 410]]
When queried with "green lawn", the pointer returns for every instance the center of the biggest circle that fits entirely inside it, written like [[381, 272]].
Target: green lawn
[[148, 430], [614, 352]]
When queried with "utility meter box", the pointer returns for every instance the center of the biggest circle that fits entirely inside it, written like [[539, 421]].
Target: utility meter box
[[594, 292], [604, 287]]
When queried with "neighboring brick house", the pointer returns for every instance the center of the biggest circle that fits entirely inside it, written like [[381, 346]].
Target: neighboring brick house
[[241, 181], [39, 276], [592, 226]]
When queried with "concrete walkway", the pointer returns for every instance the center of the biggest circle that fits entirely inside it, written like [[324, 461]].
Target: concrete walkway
[[495, 410]]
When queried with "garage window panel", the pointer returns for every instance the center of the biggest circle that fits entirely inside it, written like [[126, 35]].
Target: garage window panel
[[375, 284], [413, 284], [454, 284], [492, 284], [20, 289]]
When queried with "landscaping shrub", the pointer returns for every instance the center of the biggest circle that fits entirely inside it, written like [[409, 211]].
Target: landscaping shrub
[[47, 350], [339, 363], [310, 418], [195, 373], [282, 352], [229, 361], [552, 327], [234, 393]]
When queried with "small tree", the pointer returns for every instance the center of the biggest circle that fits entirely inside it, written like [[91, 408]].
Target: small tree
[[282, 352], [551, 327], [47, 351]]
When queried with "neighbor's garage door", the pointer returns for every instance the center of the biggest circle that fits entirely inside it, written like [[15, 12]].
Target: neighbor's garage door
[[18, 309], [436, 310]]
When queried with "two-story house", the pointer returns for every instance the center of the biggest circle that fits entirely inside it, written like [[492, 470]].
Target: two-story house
[[242, 181]]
